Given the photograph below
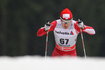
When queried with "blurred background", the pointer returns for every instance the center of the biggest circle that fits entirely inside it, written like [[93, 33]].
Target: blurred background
[[20, 20]]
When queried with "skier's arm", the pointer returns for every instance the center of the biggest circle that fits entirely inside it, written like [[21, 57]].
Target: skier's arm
[[86, 29], [89, 30], [42, 30]]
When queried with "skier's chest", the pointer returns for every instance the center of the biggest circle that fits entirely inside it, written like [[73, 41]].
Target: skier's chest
[[61, 32]]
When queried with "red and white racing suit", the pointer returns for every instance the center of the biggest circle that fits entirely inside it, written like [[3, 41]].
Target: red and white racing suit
[[65, 38]]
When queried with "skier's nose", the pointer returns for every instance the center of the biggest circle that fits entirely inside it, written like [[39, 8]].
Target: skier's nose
[[65, 22]]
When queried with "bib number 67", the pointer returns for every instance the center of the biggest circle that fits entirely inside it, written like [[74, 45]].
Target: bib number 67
[[64, 41]]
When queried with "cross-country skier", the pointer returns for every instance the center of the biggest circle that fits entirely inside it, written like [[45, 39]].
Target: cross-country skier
[[65, 31]]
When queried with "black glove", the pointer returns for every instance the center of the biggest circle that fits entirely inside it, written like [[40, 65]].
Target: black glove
[[47, 26], [80, 24]]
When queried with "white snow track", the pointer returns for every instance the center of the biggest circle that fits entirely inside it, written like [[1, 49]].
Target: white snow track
[[40, 63]]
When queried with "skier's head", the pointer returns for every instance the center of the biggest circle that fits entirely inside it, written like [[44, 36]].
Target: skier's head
[[66, 17], [66, 14]]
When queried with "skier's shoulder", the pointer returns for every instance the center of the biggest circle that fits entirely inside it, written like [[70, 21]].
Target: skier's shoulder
[[56, 22], [74, 21]]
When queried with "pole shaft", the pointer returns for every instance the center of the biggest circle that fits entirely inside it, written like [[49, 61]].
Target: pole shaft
[[46, 45], [83, 43]]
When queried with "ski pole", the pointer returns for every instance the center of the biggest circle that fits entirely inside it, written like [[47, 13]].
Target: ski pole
[[46, 45], [46, 42], [83, 45]]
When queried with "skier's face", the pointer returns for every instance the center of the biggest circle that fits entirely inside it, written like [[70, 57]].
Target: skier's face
[[66, 23]]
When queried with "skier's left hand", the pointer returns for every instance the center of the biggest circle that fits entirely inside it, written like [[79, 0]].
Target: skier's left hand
[[80, 24], [47, 26]]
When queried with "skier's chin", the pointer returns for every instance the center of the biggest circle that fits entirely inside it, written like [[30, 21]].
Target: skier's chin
[[65, 27]]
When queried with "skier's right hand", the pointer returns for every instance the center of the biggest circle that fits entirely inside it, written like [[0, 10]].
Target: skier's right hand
[[47, 26]]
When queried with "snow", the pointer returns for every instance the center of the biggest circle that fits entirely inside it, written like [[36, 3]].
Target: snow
[[61, 63]]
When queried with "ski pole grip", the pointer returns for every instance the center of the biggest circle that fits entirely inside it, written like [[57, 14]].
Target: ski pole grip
[[48, 24], [79, 21]]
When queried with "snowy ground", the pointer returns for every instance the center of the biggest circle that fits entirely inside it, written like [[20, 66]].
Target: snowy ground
[[40, 63]]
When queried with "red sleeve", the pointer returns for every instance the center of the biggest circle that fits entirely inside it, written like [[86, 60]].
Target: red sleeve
[[76, 27], [42, 31], [87, 29]]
